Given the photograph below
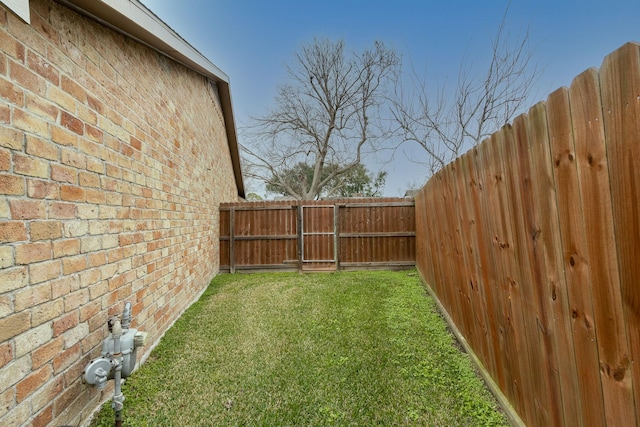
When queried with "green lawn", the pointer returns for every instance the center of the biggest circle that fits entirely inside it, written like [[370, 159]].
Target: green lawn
[[342, 349]]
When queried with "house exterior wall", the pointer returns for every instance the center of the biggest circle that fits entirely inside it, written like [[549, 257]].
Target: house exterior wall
[[113, 162]]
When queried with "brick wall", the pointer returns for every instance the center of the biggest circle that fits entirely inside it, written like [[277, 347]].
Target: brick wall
[[113, 161]]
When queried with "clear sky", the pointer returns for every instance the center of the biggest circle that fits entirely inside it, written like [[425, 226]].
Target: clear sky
[[251, 40]]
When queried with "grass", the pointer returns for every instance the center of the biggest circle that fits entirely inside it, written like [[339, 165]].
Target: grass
[[342, 349]]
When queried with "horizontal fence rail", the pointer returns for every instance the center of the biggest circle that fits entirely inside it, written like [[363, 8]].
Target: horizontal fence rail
[[531, 243], [323, 235]]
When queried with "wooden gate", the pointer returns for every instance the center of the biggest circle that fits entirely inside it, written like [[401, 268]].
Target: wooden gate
[[325, 235], [319, 243]]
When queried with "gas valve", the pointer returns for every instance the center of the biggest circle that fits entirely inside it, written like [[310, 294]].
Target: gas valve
[[118, 357]]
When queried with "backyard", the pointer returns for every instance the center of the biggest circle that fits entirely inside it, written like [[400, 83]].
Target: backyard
[[287, 349]]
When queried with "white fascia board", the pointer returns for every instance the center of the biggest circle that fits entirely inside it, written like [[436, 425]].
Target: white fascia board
[[134, 19]]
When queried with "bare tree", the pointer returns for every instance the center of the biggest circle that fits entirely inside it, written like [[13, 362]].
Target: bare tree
[[444, 125], [326, 114]]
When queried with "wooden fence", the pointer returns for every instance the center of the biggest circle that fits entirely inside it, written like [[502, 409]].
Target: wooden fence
[[531, 243], [322, 235]]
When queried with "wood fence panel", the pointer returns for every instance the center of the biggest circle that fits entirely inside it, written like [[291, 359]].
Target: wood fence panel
[[572, 233], [491, 178], [556, 325], [483, 261], [593, 179], [531, 243], [620, 79], [364, 233], [518, 181]]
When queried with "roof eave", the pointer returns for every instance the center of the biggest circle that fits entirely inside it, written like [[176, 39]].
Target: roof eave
[[132, 19]]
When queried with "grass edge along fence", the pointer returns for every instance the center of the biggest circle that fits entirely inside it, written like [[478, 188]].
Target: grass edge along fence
[[531, 242]]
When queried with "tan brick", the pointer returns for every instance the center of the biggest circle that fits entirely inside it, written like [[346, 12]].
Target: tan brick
[[5, 160], [73, 158], [27, 79], [32, 382], [64, 323], [98, 289], [13, 325], [11, 92], [95, 165], [91, 341], [7, 400], [5, 114], [46, 312], [12, 279], [95, 104], [45, 230], [87, 116], [43, 68], [89, 179], [12, 185], [76, 228], [39, 147], [76, 299], [27, 209], [42, 108], [31, 296], [61, 98], [7, 258], [74, 264], [62, 211], [72, 123], [64, 286], [63, 136], [18, 415], [6, 353], [38, 189], [72, 193], [66, 247], [89, 277], [32, 339], [62, 173], [87, 211], [95, 196], [90, 244], [95, 259], [73, 89], [66, 358], [43, 418], [47, 393], [46, 352], [12, 231], [44, 271], [28, 253], [90, 309], [31, 166], [30, 123], [94, 134]]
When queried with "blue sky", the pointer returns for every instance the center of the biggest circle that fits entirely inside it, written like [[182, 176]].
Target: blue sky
[[251, 40]]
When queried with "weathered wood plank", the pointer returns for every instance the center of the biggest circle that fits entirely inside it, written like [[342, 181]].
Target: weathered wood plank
[[620, 87], [575, 258]]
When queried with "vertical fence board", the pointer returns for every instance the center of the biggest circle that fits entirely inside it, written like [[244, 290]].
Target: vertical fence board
[[575, 256], [553, 322], [519, 184], [593, 174], [620, 80]]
